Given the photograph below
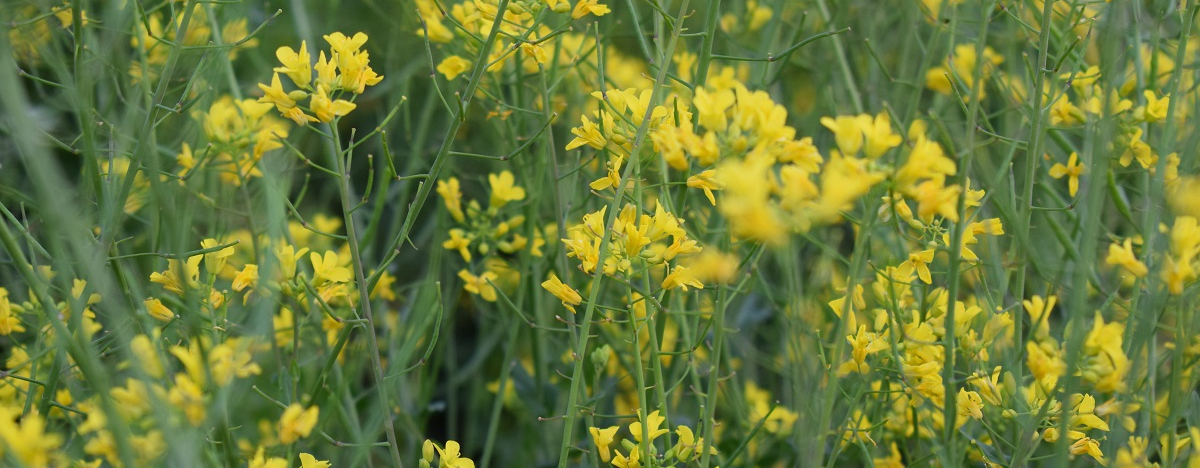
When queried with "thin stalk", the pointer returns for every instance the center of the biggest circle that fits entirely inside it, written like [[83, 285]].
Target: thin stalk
[[950, 407], [1025, 209], [706, 46], [498, 403], [840, 50], [364, 294]]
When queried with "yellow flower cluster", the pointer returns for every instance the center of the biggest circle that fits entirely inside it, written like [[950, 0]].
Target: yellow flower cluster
[[520, 30], [634, 242], [239, 133], [493, 232], [644, 431], [346, 70]]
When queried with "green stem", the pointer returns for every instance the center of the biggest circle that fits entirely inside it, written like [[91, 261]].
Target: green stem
[[364, 293], [1024, 245], [950, 408]]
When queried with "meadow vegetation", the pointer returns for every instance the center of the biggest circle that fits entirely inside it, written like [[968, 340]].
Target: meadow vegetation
[[593, 233]]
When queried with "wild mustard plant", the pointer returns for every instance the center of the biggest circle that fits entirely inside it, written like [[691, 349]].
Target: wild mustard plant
[[666, 234]]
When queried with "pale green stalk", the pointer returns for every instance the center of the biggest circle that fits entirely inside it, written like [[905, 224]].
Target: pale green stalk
[[710, 33], [1024, 245], [858, 263], [840, 51], [364, 292], [1147, 310]]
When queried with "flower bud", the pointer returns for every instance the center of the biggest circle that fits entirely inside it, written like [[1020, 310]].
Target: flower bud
[[427, 452]]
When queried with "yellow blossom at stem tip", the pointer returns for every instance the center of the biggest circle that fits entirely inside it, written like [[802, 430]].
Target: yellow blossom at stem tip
[[159, 311], [309, 461], [452, 66], [1071, 171], [1122, 254], [568, 295], [297, 422], [603, 438]]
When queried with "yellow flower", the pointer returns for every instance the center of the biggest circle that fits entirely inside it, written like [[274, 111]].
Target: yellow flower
[[652, 427], [452, 196], [633, 460], [353, 62], [587, 134], [479, 284], [187, 396], [682, 246], [309, 461], [326, 268], [779, 421], [453, 66], [458, 242], [1122, 254], [863, 344], [1072, 171], [681, 277], [878, 135], [858, 428], [586, 7], [707, 181], [927, 160], [274, 94], [1185, 238], [847, 131], [325, 108], [612, 177], [1089, 446], [288, 256], [261, 461], [9, 322], [711, 108], [146, 355], [215, 261], [284, 101], [969, 405], [569, 296], [157, 310], [26, 439], [297, 65], [559, 6], [603, 438], [537, 52], [1155, 109], [297, 422], [343, 45], [179, 275], [935, 198], [247, 278], [504, 190], [918, 261], [1083, 413], [452, 456], [961, 66], [327, 72]]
